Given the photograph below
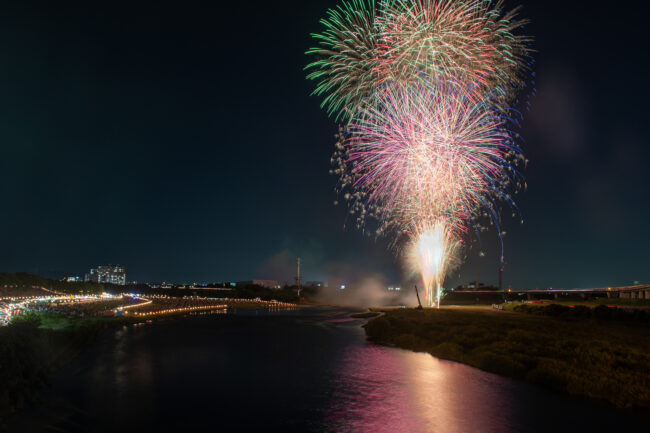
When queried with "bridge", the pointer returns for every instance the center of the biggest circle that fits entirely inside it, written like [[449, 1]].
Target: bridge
[[639, 291]]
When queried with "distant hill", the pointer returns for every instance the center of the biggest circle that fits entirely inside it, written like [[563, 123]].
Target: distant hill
[[23, 284]]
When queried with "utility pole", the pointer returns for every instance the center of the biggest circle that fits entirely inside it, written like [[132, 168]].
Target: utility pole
[[501, 282], [501, 277], [298, 277]]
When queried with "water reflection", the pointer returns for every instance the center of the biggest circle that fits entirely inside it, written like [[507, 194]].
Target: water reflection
[[290, 371], [381, 389], [387, 390], [371, 394]]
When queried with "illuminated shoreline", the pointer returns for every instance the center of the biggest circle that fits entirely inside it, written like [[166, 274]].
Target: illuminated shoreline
[[88, 306]]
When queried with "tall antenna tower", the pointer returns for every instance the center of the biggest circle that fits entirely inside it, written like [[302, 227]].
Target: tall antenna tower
[[501, 277], [298, 277]]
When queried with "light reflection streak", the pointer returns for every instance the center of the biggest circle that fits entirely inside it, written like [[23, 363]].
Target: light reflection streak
[[386, 390]]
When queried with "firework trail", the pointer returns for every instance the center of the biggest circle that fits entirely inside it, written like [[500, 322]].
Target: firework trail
[[427, 148]]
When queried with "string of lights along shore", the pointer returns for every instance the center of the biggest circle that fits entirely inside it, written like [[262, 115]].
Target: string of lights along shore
[[425, 92]]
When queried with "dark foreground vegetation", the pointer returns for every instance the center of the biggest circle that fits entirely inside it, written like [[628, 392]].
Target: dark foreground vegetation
[[586, 355], [29, 353]]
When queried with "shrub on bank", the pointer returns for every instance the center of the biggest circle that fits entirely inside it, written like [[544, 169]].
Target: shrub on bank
[[497, 363], [410, 341], [379, 328], [448, 350], [549, 373]]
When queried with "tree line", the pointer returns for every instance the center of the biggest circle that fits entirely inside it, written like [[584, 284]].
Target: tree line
[[15, 283]]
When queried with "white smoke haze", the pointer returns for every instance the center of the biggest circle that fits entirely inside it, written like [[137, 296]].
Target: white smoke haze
[[280, 267], [364, 288], [364, 291]]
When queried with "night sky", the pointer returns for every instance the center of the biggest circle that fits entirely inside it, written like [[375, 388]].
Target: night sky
[[180, 141]]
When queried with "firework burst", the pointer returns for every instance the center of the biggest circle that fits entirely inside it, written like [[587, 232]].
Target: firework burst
[[346, 69], [363, 47], [425, 152], [423, 88], [470, 39]]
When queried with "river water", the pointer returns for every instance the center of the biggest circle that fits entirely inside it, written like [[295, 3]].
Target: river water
[[308, 370]]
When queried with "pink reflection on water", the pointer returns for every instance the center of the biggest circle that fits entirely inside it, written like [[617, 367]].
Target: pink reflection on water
[[371, 394], [381, 389], [453, 398]]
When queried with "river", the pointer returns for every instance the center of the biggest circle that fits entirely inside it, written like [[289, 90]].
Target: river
[[308, 370]]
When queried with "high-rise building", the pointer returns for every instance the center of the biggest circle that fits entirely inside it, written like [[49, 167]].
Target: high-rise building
[[112, 274]]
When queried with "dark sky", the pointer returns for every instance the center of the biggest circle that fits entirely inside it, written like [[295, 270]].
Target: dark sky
[[180, 141]]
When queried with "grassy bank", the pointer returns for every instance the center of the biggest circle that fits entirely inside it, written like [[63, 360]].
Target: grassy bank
[[599, 359]]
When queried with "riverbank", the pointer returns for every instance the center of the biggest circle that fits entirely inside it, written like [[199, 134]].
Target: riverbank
[[597, 359]]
